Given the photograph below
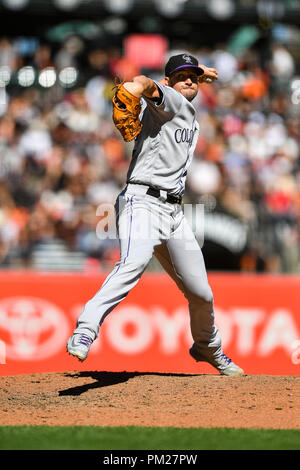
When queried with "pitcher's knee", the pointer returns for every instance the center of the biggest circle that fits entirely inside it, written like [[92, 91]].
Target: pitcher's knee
[[201, 294], [136, 266]]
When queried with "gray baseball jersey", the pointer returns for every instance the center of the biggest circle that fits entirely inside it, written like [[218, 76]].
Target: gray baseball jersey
[[164, 148]]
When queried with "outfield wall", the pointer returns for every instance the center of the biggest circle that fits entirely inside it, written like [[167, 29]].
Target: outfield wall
[[258, 317]]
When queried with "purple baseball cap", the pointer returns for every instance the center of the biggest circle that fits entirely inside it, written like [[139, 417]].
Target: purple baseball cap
[[181, 61]]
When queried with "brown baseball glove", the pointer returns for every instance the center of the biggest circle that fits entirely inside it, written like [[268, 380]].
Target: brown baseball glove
[[126, 110]]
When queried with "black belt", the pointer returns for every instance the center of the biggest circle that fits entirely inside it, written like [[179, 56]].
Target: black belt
[[170, 197]]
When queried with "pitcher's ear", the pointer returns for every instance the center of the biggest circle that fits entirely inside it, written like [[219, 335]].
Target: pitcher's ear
[[164, 81]]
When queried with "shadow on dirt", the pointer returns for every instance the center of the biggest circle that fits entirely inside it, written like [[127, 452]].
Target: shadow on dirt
[[105, 379]]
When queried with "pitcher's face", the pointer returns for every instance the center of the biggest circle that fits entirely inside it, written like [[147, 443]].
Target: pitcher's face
[[185, 81]]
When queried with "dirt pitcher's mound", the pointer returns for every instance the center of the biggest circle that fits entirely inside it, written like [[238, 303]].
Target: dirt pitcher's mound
[[150, 399]]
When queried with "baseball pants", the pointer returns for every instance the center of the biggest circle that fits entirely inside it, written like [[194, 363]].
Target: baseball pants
[[150, 226]]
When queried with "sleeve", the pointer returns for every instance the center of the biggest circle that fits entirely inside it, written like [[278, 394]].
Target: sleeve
[[170, 101]]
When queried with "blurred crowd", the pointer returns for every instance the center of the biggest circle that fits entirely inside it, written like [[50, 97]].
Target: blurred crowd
[[61, 156]]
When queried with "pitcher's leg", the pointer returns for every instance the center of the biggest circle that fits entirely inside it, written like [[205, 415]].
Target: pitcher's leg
[[182, 258], [136, 252], [192, 281], [115, 288]]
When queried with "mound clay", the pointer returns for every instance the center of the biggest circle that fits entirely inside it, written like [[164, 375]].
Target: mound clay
[[150, 399]]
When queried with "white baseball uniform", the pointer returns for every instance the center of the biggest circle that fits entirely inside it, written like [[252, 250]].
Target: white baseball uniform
[[150, 225]]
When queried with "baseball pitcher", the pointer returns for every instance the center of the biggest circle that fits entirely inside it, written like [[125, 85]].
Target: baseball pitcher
[[149, 217]]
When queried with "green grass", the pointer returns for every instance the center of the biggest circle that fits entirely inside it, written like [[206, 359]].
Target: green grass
[[145, 438]]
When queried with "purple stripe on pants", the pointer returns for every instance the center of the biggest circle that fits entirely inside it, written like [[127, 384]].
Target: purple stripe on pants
[[129, 238]]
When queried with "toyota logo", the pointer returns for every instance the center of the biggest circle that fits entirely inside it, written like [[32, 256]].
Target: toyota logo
[[32, 328]]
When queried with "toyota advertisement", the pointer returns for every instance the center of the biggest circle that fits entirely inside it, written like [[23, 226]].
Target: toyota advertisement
[[257, 315]]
